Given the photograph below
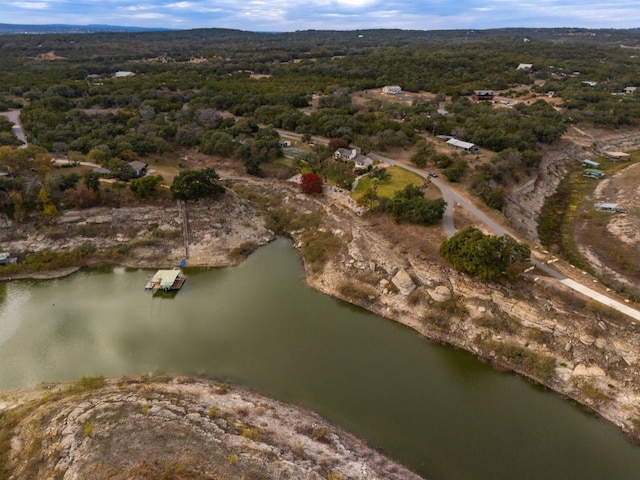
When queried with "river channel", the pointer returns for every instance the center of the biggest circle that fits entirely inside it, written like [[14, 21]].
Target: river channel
[[436, 409]]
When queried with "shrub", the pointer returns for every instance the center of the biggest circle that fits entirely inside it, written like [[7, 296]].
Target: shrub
[[250, 433], [355, 291], [311, 183], [242, 251], [535, 363], [498, 324], [88, 427], [485, 256], [590, 391], [453, 305], [89, 383], [456, 171], [410, 205], [318, 247], [194, 184]]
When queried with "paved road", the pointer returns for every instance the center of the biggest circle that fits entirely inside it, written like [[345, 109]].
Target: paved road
[[454, 199], [14, 117], [66, 161]]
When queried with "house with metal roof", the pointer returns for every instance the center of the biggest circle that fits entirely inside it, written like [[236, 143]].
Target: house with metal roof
[[460, 145]]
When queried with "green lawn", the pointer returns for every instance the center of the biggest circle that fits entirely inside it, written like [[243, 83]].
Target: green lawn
[[400, 178]]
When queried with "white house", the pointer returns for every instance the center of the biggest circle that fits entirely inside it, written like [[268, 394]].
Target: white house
[[123, 73], [525, 66], [347, 155]]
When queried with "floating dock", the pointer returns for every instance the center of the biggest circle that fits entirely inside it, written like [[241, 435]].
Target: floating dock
[[166, 280]]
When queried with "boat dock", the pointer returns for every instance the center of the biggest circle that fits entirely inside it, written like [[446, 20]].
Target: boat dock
[[166, 280]]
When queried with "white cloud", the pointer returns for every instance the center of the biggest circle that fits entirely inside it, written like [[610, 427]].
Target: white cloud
[[31, 5], [149, 16], [136, 8], [356, 3], [183, 5]]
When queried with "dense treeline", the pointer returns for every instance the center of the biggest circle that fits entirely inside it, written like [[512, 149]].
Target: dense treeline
[[304, 63]]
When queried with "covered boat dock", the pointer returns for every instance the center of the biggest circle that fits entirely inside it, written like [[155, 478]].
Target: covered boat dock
[[166, 280]]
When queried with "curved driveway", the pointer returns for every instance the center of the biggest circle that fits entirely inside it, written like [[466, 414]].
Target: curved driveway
[[454, 199]]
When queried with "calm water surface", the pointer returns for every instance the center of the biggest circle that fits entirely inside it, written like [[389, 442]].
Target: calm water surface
[[438, 410]]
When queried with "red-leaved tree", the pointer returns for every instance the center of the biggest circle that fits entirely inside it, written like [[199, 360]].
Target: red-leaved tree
[[311, 183]]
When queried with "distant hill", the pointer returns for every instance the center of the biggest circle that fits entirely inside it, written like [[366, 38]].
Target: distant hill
[[16, 29]]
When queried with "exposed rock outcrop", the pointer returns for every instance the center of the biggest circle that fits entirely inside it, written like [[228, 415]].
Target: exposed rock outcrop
[[403, 282], [178, 428]]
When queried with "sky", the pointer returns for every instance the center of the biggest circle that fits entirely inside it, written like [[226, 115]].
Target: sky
[[292, 15]]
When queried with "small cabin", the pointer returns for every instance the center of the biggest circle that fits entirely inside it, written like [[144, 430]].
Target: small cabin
[[590, 164]]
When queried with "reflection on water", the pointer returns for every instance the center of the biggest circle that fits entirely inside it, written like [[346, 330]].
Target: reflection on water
[[438, 410]]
